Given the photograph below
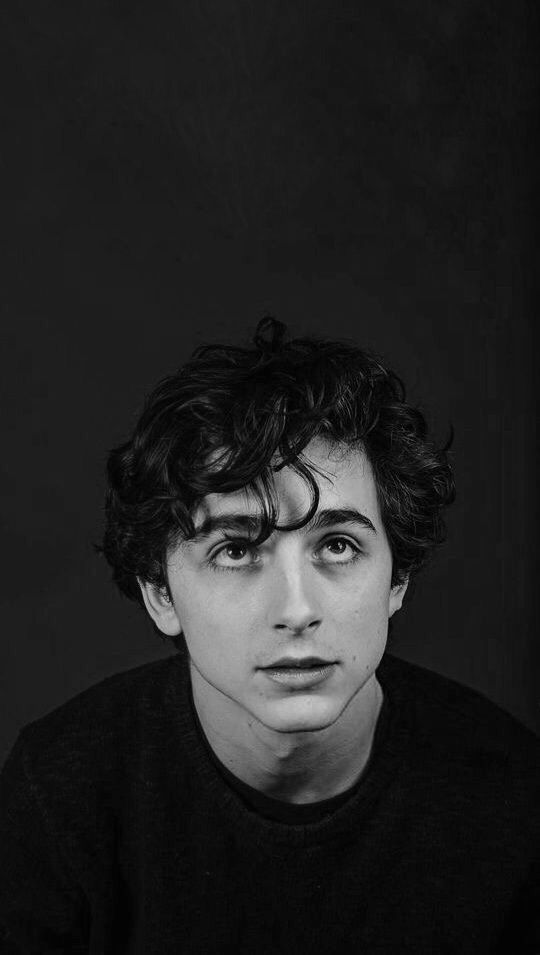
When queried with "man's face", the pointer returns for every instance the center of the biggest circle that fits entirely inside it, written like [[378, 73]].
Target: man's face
[[319, 592]]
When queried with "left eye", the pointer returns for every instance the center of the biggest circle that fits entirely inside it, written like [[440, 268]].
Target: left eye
[[339, 550]]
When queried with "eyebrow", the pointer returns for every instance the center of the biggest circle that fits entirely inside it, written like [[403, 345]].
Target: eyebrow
[[341, 515], [251, 524]]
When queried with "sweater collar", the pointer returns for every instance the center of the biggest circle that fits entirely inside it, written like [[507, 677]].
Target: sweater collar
[[388, 753]]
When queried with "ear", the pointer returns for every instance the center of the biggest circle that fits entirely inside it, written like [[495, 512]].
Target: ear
[[161, 608], [396, 597]]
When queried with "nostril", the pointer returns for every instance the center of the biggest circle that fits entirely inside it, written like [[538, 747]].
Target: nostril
[[301, 628]]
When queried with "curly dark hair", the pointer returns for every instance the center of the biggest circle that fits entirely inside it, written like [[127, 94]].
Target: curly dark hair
[[231, 417]]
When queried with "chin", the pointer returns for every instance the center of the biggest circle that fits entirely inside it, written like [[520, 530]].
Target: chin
[[300, 715]]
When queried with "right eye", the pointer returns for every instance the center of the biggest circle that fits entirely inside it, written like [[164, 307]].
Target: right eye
[[234, 555]]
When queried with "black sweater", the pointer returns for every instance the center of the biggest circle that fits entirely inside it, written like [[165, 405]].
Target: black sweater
[[121, 833]]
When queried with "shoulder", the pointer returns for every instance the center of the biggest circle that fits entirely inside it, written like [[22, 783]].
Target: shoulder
[[443, 705], [459, 735], [106, 719]]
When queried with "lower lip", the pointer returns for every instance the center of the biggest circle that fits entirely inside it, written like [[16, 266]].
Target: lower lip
[[299, 676]]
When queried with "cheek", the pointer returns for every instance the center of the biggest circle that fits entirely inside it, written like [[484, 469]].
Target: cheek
[[365, 599], [198, 600], [368, 628], [216, 629], [361, 619]]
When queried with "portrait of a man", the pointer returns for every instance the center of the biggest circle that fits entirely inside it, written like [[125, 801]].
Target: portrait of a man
[[281, 782], [269, 663]]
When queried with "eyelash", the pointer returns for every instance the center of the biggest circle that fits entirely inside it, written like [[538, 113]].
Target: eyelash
[[242, 542]]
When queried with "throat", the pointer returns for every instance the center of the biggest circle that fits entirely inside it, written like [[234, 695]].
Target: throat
[[297, 768]]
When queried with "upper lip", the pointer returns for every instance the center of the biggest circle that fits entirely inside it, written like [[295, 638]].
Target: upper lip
[[297, 662]]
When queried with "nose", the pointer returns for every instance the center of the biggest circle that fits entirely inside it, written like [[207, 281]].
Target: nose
[[296, 606]]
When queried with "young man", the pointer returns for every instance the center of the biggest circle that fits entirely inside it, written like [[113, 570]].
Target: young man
[[280, 784]]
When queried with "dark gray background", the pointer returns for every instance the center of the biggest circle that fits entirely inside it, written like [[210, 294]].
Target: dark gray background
[[172, 171]]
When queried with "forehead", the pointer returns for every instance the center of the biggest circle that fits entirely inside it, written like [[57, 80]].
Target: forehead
[[343, 474]]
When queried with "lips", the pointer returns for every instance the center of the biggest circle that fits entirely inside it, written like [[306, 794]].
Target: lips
[[299, 674], [297, 663]]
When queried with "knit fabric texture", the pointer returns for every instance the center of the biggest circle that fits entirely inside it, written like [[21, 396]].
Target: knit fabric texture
[[120, 832]]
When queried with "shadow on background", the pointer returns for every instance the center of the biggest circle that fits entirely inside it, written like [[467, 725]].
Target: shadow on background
[[176, 171]]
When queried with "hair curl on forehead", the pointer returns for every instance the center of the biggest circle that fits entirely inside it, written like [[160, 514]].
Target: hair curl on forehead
[[231, 417]]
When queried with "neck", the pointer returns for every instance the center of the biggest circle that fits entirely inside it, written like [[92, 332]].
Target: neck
[[295, 767]]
